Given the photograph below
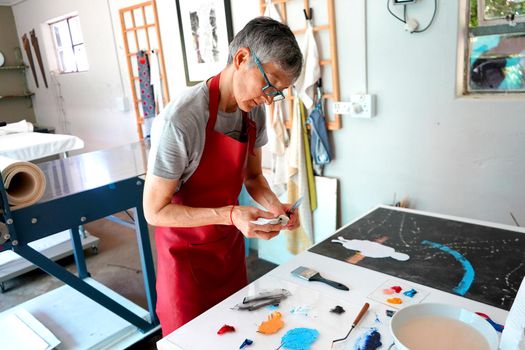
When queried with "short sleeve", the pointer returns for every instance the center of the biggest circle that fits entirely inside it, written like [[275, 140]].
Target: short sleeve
[[171, 158], [259, 115]]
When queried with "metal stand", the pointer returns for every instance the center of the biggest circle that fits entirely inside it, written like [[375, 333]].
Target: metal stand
[[27, 224]]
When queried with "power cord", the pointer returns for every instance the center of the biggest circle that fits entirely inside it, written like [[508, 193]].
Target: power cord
[[431, 20], [392, 13], [404, 19]]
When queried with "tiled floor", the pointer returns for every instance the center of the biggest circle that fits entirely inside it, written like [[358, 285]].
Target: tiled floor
[[116, 265]]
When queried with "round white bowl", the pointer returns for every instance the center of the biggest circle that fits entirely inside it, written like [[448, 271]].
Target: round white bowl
[[412, 312]]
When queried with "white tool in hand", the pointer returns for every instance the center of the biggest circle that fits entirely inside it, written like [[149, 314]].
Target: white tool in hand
[[281, 219]]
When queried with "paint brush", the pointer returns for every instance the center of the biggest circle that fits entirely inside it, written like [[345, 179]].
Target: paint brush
[[356, 321], [312, 275], [294, 206]]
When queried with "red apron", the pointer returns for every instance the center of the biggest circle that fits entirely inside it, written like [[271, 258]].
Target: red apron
[[198, 267]]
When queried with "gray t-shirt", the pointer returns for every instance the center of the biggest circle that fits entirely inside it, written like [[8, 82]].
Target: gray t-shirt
[[179, 132]]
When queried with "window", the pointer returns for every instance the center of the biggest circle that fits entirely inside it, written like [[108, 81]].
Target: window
[[495, 53], [491, 12], [69, 45]]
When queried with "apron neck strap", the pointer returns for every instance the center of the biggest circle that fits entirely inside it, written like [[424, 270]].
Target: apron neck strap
[[214, 108], [214, 101]]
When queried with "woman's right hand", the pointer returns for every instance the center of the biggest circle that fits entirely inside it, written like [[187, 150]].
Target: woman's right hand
[[241, 217]]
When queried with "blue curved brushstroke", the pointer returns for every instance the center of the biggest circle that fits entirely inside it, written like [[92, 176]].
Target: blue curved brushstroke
[[468, 277]]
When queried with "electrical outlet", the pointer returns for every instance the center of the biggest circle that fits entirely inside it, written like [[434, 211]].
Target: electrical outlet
[[342, 107], [360, 106]]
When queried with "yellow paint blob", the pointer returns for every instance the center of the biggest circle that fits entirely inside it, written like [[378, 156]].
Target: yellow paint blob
[[273, 324], [394, 301]]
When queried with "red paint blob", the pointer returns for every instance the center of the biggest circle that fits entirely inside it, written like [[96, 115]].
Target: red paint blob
[[397, 289], [226, 329]]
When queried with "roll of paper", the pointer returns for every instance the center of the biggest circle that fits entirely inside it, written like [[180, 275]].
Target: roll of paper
[[24, 182]]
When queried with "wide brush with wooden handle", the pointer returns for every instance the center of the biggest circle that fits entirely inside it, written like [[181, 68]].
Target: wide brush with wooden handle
[[312, 275]]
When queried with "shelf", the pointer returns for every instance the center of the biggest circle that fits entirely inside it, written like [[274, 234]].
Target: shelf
[[13, 67], [24, 95]]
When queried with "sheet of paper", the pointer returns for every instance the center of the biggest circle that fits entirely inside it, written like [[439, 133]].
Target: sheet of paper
[[20, 336], [513, 336]]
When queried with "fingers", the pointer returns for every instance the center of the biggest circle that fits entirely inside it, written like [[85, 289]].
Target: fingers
[[266, 235], [294, 222], [265, 214]]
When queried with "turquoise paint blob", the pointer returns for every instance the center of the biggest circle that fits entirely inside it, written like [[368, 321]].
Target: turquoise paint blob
[[410, 293], [371, 340], [272, 307], [299, 338]]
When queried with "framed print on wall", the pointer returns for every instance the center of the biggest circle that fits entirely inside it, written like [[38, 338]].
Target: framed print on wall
[[205, 31]]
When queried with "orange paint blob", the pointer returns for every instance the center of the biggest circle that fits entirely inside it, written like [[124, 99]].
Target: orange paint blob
[[273, 324], [394, 301]]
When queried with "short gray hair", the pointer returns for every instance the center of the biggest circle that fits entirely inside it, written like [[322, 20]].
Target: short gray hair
[[271, 41]]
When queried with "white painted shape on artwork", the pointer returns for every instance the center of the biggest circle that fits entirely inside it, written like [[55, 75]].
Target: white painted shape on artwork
[[371, 249]]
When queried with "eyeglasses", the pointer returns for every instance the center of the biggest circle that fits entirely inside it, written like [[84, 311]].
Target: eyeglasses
[[269, 89]]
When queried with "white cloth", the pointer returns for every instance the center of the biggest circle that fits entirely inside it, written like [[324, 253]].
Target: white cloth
[[35, 145], [297, 172], [155, 80], [13, 128], [271, 11], [311, 71], [277, 143]]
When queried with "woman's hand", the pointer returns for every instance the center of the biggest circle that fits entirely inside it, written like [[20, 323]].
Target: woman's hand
[[241, 217], [283, 209]]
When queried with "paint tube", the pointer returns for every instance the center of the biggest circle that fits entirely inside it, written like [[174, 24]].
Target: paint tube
[[269, 294], [255, 305]]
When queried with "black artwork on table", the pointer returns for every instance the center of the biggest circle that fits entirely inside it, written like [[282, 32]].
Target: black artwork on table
[[440, 251]]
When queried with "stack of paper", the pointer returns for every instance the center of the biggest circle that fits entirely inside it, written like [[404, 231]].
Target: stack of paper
[[21, 331], [513, 336]]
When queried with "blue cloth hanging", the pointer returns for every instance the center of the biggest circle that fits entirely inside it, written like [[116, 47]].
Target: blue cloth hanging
[[319, 145]]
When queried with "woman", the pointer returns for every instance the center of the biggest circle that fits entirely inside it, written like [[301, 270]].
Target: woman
[[209, 145]]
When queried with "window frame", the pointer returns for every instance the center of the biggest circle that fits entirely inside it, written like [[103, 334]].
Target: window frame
[[491, 22], [463, 52], [60, 63]]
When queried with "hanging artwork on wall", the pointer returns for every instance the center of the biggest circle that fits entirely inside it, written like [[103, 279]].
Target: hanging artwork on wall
[[205, 30]]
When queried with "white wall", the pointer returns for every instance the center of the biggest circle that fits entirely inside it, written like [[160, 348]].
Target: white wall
[[89, 99], [458, 156]]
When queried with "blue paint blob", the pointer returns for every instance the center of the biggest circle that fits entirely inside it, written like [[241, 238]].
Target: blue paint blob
[[410, 293], [272, 307], [370, 340], [299, 338], [246, 343], [468, 277], [377, 320]]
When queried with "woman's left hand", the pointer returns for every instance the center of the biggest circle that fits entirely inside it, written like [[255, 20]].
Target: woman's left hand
[[282, 209]]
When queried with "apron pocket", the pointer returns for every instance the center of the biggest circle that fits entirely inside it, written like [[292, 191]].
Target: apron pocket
[[215, 263]]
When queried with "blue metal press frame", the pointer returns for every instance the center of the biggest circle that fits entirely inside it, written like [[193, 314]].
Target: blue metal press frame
[[46, 218]]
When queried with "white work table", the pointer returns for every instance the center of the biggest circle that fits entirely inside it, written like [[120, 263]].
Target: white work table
[[310, 304]]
